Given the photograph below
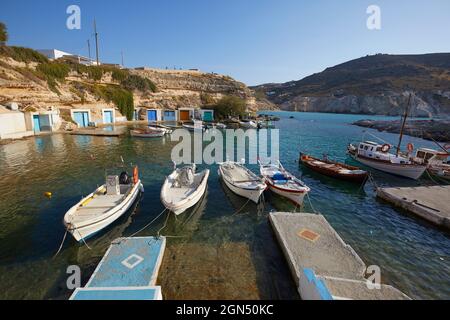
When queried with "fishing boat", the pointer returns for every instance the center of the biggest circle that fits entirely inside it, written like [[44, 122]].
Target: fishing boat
[[103, 206], [219, 125], [284, 183], [194, 126], [160, 128], [248, 124], [378, 156], [183, 188], [147, 133], [436, 161], [242, 181], [334, 169]]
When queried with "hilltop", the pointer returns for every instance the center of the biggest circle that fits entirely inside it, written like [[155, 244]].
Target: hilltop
[[370, 85]]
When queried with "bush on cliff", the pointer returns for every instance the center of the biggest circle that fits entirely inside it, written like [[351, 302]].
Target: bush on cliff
[[229, 105], [122, 98]]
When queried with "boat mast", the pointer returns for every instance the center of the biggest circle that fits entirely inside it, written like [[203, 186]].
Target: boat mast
[[405, 116]]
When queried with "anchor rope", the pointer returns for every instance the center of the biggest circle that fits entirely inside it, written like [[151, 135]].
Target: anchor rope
[[62, 243], [147, 225]]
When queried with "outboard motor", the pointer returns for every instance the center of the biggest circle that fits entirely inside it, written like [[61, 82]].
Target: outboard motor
[[124, 178]]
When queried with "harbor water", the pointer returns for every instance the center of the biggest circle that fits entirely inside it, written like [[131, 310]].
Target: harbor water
[[223, 248]]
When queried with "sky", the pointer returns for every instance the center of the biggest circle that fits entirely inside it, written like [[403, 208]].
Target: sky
[[253, 41]]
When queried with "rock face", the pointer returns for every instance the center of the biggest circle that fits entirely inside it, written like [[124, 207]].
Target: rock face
[[175, 88], [438, 130], [377, 84]]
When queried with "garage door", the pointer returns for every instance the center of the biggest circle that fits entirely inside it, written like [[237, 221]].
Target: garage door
[[81, 118], [208, 116], [107, 117], [151, 115], [184, 115], [169, 116]]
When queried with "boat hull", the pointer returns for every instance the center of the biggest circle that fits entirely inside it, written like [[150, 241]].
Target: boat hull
[[410, 171], [81, 233], [297, 197], [180, 208], [251, 194], [352, 177]]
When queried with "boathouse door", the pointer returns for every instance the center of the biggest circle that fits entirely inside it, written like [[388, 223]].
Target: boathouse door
[[207, 116], [36, 123], [81, 118], [169, 116], [108, 116], [184, 115], [151, 115]]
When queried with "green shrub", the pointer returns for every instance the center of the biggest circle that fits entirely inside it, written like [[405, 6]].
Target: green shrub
[[229, 105], [21, 54], [122, 98], [53, 71], [135, 82], [3, 33]]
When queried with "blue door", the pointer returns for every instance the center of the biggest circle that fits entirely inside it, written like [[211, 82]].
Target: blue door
[[169, 116], [81, 118], [151, 115], [108, 117], [36, 123], [135, 115]]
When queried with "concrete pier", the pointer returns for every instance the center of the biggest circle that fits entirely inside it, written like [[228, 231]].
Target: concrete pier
[[430, 203], [322, 264]]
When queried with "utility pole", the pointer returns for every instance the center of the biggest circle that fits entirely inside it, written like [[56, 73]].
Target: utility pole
[[122, 59], [96, 40], [405, 116], [89, 49]]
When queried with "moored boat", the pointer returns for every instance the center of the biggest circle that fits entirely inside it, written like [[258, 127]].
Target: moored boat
[[160, 128], [284, 183], [248, 124], [103, 206], [242, 181], [436, 161], [147, 133], [334, 169], [183, 188]]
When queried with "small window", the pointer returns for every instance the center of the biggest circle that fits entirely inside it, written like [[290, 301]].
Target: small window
[[366, 148], [361, 146]]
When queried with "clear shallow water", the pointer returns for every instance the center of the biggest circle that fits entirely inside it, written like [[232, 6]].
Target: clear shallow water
[[215, 253]]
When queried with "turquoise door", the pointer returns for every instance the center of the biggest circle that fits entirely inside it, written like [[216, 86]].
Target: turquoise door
[[36, 123], [151, 115], [107, 117], [208, 116], [135, 115]]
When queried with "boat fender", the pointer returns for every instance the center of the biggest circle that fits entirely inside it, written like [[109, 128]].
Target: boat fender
[[385, 148], [410, 147], [447, 146], [48, 194], [135, 175]]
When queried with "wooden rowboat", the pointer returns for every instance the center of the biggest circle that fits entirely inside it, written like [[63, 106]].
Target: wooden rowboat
[[334, 169], [147, 133]]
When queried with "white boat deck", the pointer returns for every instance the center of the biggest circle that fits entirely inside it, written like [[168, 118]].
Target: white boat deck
[[97, 206], [174, 194]]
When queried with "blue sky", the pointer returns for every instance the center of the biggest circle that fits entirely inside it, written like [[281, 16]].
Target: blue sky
[[254, 41]]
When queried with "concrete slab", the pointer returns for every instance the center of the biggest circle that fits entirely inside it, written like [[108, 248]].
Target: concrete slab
[[322, 264], [430, 203], [328, 255]]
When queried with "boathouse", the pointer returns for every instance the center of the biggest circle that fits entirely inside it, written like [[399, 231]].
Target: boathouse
[[43, 121], [153, 115], [12, 124], [108, 115], [206, 115], [186, 114], [170, 115], [82, 117]]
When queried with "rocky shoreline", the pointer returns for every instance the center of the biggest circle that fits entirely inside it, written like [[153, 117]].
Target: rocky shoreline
[[438, 130]]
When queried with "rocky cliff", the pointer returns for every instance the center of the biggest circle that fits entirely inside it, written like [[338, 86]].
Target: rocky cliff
[[21, 81], [376, 84]]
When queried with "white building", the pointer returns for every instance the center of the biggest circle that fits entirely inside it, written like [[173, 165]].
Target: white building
[[12, 124], [54, 54]]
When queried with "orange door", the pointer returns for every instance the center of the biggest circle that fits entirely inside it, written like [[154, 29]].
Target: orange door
[[184, 115]]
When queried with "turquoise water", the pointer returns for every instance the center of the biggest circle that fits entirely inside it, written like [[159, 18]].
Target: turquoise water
[[212, 252]]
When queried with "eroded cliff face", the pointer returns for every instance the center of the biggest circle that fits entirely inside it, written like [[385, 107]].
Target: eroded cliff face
[[393, 104], [175, 88]]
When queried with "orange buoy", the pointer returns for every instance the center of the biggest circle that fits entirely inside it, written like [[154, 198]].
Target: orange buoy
[[135, 175], [48, 194], [410, 147]]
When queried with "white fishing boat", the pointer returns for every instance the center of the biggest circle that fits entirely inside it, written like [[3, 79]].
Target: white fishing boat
[[284, 183], [242, 181], [147, 133], [436, 161], [183, 188], [103, 206], [219, 125], [378, 157], [248, 124], [194, 126], [160, 128]]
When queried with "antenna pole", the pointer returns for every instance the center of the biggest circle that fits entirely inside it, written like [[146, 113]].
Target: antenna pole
[[89, 49], [122, 59], [96, 40], [405, 116]]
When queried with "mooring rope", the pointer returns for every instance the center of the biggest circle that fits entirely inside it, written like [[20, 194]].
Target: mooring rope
[[165, 224], [83, 240], [147, 225], [310, 203], [62, 243]]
